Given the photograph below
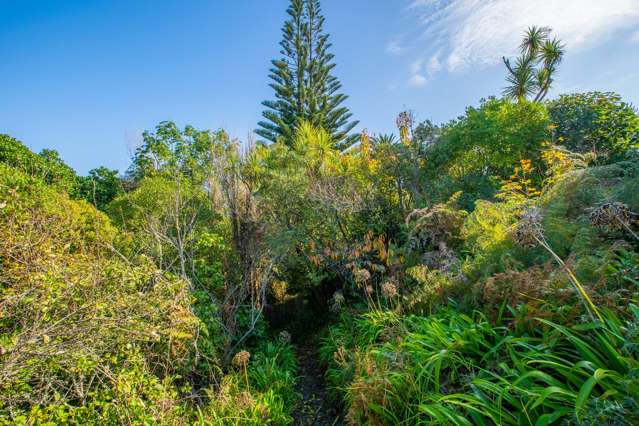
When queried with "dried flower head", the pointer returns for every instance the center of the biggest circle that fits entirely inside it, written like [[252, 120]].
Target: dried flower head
[[387, 334], [443, 258], [436, 224], [340, 356], [361, 275], [285, 337], [368, 289], [389, 289], [611, 215], [337, 301], [529, 230], [241, 359], [244, 400]]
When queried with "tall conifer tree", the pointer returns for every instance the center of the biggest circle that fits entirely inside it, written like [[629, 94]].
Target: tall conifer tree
[[304, 86]]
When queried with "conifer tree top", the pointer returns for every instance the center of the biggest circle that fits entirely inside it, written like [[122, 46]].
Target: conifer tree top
[[305, 88]]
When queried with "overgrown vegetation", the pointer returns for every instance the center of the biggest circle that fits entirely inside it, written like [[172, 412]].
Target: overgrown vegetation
[[481, 271]]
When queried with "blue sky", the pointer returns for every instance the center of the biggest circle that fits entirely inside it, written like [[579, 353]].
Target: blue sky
[[86, 77]]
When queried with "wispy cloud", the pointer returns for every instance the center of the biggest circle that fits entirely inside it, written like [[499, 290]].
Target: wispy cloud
[[422, 70], [395, 47], [635, 37], [459, 34]]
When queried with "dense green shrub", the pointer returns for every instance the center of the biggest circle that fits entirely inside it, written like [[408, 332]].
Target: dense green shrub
[[565, 207], [100, 187], [528, 358], [168, 150], [84, 333], [480, 149], [167, 217], [595, 122], [47, 165]]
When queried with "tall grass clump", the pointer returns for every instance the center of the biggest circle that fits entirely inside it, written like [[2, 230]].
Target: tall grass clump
[[460, 369], [261, 391]]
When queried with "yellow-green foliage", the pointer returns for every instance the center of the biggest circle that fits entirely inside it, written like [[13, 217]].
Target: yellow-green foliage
[[486, 237], [88, 336], [432, 290], [260, 392], [47, 165], [79, 325], [565, 208]]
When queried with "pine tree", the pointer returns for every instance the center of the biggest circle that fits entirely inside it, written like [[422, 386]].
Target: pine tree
[[305, 89]]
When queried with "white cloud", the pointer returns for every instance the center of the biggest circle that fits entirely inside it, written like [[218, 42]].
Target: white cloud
[[423, 70], [417, 80], [473, 33], [635, 37]]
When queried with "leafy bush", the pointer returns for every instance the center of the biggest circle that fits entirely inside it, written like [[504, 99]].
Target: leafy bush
[[101, 187], [565, 208], [481, 148], [439, 225], [84, 333], [432, 290], [47, 165], [165, 216], [595, 122]]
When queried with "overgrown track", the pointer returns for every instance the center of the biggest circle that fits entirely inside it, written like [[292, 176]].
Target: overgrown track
[[314, 407]]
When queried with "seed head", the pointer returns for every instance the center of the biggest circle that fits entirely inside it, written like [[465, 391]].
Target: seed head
[[529, 229], [611, 215], [241, 359], [361, 275], [337, 301], [340, 355], [389, 289], [285, 337]]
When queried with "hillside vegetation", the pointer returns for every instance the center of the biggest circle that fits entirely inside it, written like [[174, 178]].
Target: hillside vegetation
[[483, 271]]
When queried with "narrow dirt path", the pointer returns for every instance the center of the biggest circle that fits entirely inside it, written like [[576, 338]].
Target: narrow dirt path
[[314, 408]]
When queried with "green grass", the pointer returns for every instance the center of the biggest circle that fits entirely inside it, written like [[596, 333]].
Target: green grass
[[459, 369]]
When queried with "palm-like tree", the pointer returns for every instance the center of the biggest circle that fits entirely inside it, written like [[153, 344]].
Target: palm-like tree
[[387, 139], [533, 71]]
